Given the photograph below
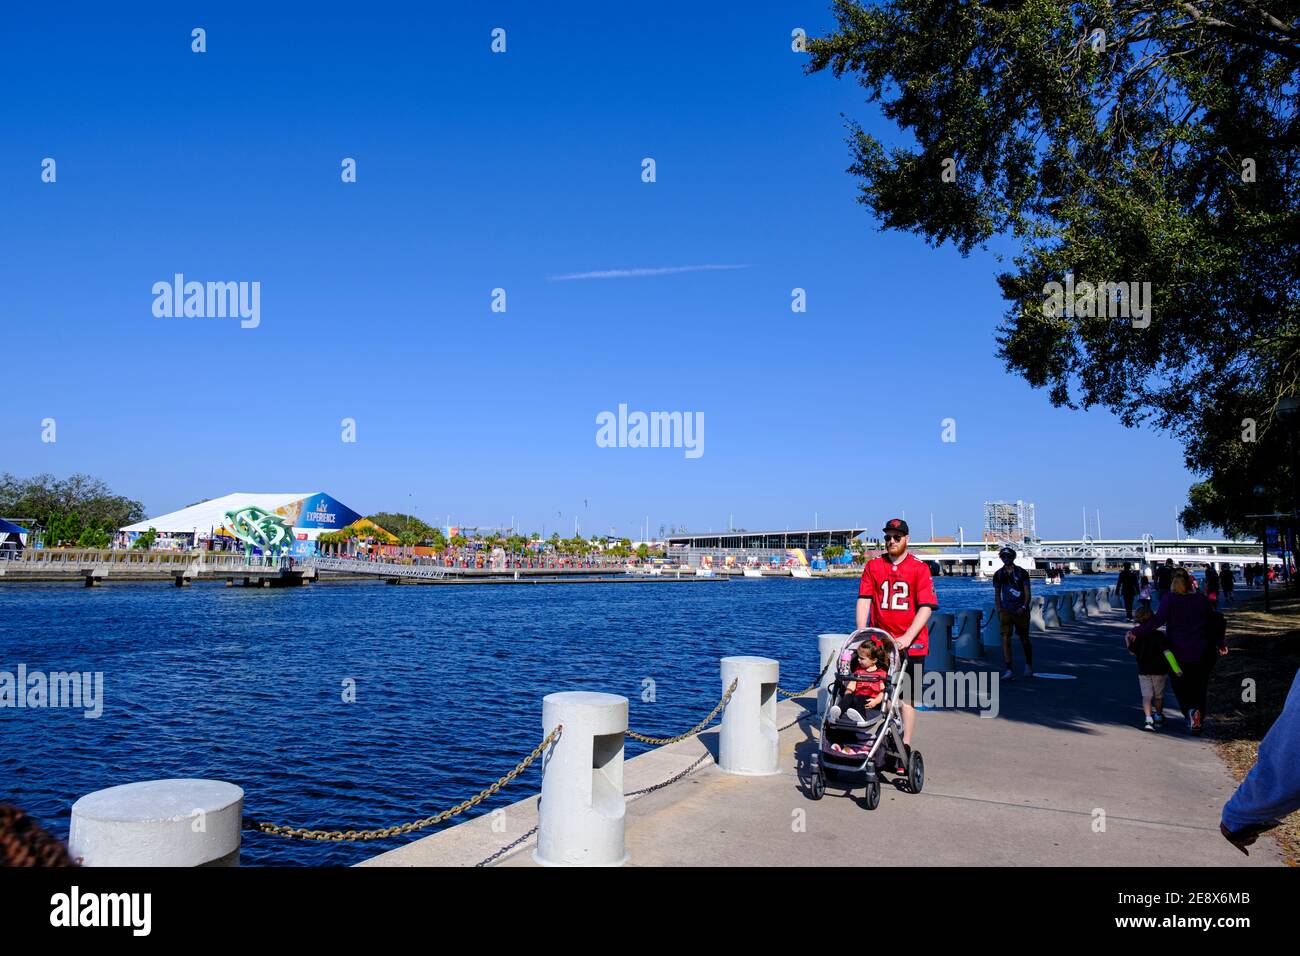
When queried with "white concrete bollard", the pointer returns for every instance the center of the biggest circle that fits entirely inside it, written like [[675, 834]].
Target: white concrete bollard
[[1036, 614], [747, 741], [939, 642], [991, 639], [1090, 603], [1050, 616], [828, 646], [180, 822], [1080, 604], [967, 644], [1103, 600], [580, 817], [1065, 607]]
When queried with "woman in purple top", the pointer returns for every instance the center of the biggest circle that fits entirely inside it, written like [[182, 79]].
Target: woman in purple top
[[1186, 615]]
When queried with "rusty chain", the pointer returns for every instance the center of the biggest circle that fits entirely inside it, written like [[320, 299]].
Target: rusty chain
[[660, 741], [344, 836], [811, 687]]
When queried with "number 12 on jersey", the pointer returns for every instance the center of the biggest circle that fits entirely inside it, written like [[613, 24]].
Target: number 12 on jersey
[[893, 595]]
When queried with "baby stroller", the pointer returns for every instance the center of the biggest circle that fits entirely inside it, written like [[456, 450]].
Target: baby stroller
[[870, 746]]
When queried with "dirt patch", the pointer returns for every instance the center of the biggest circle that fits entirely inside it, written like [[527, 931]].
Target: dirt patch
[[1264, 648]]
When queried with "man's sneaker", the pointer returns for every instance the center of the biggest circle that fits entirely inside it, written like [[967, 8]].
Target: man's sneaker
[[1149, 725], [1008, 674], [1158, 718], [1029, 671]]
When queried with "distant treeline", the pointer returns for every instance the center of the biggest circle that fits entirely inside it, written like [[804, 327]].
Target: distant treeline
[[77, 510]]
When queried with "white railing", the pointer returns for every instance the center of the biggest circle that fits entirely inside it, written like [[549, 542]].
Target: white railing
[[381, 568]]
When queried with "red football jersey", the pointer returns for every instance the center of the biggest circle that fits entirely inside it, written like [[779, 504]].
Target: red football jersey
[[896, 592]]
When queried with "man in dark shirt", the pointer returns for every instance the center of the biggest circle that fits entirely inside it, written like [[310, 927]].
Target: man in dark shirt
[[1011, 596], [1128, 588], [1164, 580]]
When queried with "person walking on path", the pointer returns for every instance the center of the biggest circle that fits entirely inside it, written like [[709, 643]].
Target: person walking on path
[[1144, 594], [1272, 788], [896, 594], [1212, 584], [1164, 576], [1227, 584], [1153, 672], [1128, 585], [1194, 634], [1011, 597]]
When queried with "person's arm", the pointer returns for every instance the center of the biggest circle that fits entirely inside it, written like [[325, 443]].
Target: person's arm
[[1272, 788], [997, 591], [918, 624], [1028, 590], [863, 612], [1155, 621], [866, 591]]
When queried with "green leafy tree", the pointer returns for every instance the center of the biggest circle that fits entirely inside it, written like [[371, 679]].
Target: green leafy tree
[[1122, 141], [145, 540], [94, 537], [40, 497], [397, 524]]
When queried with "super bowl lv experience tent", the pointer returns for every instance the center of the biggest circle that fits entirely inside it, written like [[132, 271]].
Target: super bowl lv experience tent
[[289, 521]]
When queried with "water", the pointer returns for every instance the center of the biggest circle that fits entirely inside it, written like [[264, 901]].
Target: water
[[246, 685]]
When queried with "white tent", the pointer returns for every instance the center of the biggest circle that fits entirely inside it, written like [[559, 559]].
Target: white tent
[[212, 514]]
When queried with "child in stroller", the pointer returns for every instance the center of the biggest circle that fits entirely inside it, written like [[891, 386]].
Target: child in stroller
[[862, 730], [866, 691]]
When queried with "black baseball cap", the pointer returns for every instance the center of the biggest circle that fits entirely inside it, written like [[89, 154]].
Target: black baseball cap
[[896, 526]]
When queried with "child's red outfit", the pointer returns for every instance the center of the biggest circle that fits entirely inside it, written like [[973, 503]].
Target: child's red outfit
[[868, 684]]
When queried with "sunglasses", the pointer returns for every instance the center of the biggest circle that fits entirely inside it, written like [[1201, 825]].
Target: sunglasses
[[895, 537]]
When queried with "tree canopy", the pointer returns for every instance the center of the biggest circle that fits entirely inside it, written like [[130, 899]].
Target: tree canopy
[[42, 497], [1127, 141]]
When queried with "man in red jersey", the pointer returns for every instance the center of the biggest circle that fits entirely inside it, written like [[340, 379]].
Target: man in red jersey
[[896, 594]]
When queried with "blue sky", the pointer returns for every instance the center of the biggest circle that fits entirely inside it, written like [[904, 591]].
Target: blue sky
[[477, 171]]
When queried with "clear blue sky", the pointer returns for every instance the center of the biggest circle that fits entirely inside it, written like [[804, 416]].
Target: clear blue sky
[[478, 171]]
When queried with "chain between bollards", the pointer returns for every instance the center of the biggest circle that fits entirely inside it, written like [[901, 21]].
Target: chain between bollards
[[811, 687], [660, 741], [345, 836]]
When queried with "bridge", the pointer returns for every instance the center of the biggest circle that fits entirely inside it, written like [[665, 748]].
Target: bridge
[[1096, 555]]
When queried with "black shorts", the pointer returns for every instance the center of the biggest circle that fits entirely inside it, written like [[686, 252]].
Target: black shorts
[[911, 677]]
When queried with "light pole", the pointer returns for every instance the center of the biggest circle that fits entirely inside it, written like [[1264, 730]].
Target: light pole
[[1288, 411]]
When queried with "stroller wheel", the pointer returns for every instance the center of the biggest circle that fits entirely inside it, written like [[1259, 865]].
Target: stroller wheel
[[915, 772], [818, 788], [873, 794]]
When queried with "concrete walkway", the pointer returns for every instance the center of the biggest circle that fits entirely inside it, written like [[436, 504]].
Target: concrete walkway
[[1021, 789]]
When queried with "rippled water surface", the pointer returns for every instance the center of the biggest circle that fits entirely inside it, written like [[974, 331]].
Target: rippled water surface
[[246, 685]]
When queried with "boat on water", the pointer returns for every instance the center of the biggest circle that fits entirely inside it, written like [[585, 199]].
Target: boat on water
[[753, 572], [800, 571], [704, 572]]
